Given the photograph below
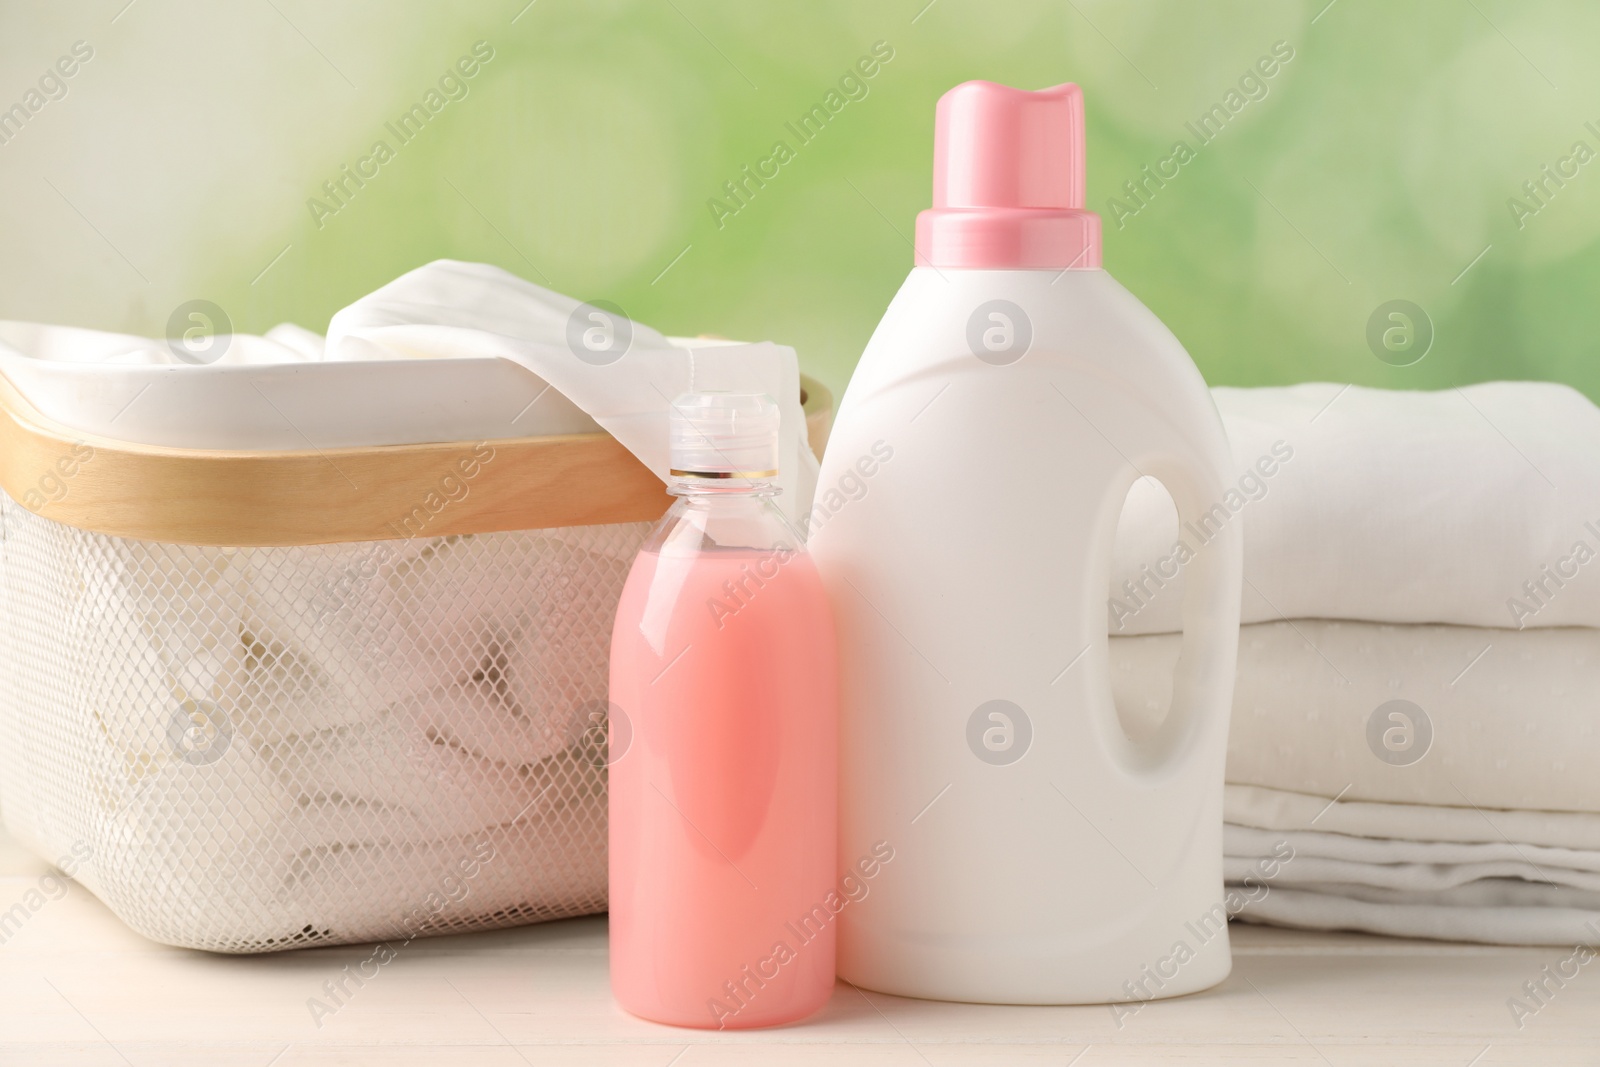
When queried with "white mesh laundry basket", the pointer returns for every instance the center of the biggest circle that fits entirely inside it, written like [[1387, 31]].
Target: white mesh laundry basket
[[261, 744]]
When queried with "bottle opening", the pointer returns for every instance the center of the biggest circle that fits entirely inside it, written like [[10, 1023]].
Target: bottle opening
[[724, 437], [676, 473]]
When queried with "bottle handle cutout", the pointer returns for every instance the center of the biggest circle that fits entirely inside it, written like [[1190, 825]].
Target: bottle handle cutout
[[1201, 684]]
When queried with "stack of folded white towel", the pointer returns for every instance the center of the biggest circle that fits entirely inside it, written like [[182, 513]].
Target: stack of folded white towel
[[1416, 725]]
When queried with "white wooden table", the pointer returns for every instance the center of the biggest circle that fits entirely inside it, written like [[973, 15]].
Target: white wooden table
[[77, 987]]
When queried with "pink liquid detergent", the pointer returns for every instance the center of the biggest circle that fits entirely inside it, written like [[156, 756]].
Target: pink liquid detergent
[[722, 800]]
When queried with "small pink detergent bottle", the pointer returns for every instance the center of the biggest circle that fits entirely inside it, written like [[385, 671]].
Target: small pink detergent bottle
[[724, 733]]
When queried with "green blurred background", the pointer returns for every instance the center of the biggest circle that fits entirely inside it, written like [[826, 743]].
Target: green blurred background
[[1378, 164]]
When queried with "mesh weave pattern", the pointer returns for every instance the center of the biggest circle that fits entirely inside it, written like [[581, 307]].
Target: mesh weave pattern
[[265, 748]]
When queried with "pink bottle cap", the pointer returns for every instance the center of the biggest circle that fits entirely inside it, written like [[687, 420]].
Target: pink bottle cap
[[1008, 181]]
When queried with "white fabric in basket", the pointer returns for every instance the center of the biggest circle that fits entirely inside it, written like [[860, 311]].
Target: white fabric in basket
[[289, 389], [449, 309], [382, 717]]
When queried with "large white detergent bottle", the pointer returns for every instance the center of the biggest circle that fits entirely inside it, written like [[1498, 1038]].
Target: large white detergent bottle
[[965, 522]]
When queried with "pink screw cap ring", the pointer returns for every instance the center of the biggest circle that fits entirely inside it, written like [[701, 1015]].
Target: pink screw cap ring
[[1008, 181]]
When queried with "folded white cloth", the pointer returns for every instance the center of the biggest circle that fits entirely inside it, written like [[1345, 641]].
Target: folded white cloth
[[1414, 861], [1422, 866], [174, 638], [449, 309], [1414, 715], [1477, 506], [1285, 810], [1494, 924], [1413, 870], [1485, 892], [1511, 719], [602, 367]]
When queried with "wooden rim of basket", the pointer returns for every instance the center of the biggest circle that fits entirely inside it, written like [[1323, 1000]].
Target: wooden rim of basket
[[260, 499]]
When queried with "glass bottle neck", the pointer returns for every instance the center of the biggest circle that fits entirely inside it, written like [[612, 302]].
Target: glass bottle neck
[[715, 514], [710, 489]]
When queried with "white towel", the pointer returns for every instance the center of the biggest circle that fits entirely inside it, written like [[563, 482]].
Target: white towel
[[448, 309], [1537, 862], [1415, 717], [173, 641], [1284, 810], [167, 831], [443, 310], [1423, 878], [1486, 892], [1413, 870], [1514, 716], [1477, 506], [70, 344], [325, 642], [1494, 924]]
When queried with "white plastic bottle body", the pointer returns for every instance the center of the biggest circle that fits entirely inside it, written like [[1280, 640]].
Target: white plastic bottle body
[[1041, 855]]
